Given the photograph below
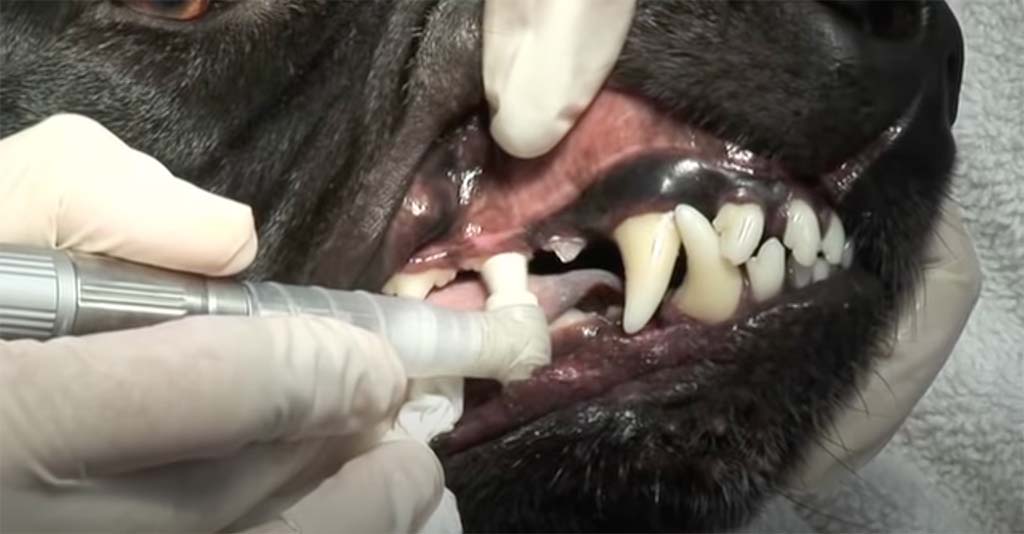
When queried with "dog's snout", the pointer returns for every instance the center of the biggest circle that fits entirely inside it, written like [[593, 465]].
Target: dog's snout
[[884, 19]]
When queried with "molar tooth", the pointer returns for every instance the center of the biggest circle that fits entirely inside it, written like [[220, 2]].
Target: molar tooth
[[820, 270], [740, 227], [799, 274], [649, 246], [506, 276], [712, 288], [567, 248], [802, 235], [833, 241], [767, 270], [418, 285], [847, 259]]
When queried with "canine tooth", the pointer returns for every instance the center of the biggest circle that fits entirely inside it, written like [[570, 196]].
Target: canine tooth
[[649, 246], [567, 248], [712, 288], [847, 259], [833, 241], [418, 285], [506, 277], [802, 234], [767, 270], [799, 275], [740, 227], [820, 270]]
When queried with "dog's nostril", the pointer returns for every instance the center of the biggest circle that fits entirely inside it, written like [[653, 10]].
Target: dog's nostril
[[888, 19]]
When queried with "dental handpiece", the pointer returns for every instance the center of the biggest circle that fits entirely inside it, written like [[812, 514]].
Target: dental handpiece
[[48, 293]]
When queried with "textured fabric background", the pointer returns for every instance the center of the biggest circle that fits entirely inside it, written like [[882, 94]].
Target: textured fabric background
[[958, 463]]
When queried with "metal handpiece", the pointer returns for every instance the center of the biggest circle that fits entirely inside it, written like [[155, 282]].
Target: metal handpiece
[[48, 293]]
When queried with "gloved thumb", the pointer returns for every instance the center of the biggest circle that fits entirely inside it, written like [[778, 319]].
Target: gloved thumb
[[68, 182]]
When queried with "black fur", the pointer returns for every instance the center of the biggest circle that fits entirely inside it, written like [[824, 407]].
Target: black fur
[[315, 112]]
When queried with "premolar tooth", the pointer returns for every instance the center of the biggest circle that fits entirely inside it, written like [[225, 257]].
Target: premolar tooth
[[799, 275], [820, 270], [649, 246], [833, 241], [506, 276], [802, 235], [418, 285], [568, 318], [567, 248], [847, 259], [740, 227], [712, 288], [767, 270]]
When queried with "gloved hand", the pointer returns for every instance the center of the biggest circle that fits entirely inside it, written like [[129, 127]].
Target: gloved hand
[[924, 338], [197, 425]]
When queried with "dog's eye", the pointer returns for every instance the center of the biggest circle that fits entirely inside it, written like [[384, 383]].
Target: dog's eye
[[171, 9]]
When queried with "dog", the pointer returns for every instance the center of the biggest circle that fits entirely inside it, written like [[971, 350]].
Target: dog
[[357, 131]]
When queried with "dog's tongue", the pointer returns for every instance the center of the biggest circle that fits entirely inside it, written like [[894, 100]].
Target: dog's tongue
[[555, 293]]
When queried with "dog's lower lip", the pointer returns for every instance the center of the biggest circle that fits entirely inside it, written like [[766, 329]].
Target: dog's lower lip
[[609, 366]]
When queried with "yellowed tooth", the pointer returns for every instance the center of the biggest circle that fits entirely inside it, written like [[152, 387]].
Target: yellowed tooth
[[833, 241], [740, 227], [418, 285], [713, 286], [649, 245], [767, 270]]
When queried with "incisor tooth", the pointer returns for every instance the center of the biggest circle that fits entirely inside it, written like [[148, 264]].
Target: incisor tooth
[[820, 270], [847, 259], [649, 246], [740, 227], [799, 275], [802, 235], [712, 288], [767, 270], [833, 241], [418, 285]]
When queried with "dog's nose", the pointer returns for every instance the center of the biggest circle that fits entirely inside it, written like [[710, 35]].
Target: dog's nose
[[884, 19]]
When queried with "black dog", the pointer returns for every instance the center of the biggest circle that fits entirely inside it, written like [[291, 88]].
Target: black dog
[[322, 114]]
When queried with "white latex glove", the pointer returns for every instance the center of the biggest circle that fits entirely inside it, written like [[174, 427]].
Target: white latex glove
[[194, 425], [926, 333], [544, 62]]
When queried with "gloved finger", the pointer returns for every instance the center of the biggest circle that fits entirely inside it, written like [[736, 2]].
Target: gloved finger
[[392, 488], [925, 336], [198, 496], [193, 389], [68, 182], [543, 63]]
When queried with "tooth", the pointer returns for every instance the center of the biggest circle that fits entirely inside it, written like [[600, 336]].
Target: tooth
[[740, 227], [418, 285], [649, 246], [799, 275], [568, 318], [767, 270], [567, 248], [847, 259], [835, 238], [506, 276], [712, 288], [802, 234], [820, 270]]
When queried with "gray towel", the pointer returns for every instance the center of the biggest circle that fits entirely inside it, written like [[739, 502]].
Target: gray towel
[[958, 463]]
